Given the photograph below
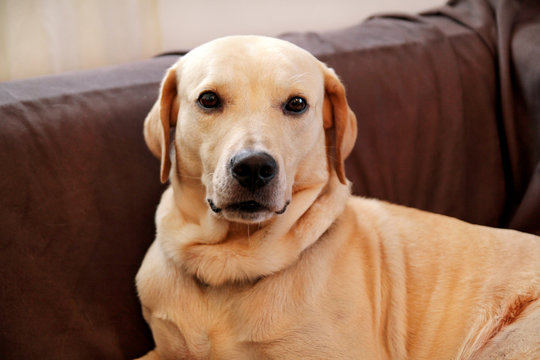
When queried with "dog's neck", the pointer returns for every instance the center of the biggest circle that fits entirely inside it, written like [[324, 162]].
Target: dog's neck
[[218, 252]]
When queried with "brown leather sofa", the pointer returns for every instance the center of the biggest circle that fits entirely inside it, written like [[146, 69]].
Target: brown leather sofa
[[448, 108]]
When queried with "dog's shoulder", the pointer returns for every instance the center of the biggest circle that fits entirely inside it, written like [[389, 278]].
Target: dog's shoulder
[[400, 227], [156, 277]]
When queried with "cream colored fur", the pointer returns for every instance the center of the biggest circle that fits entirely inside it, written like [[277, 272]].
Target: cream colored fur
[[334, 276]]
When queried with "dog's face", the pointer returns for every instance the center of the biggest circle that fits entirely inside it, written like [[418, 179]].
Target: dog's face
[[252, 117]]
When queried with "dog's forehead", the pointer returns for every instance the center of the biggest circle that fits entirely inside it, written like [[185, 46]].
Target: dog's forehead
[[252, 58]]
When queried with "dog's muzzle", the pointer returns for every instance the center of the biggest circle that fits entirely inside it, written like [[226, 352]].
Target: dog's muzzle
[[252, 187]]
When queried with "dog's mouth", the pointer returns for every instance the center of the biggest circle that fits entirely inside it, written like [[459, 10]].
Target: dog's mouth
[[246, 210], [247, 207]]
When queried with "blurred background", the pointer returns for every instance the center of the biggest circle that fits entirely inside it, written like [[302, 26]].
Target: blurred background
[[40, 37]]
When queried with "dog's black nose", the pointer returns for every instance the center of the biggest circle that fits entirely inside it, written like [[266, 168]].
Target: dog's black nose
[[253, 170]]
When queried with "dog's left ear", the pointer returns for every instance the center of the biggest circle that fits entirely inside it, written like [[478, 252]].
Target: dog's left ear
[[159, 121], [339, 122]]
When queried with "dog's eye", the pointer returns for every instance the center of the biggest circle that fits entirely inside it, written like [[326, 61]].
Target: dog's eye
[[296, 105], [209, 100]]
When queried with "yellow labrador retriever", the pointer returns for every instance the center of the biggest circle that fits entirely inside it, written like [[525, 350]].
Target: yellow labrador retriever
[[262, 253]]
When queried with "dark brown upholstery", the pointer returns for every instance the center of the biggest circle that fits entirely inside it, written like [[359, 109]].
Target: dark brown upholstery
[[79, 191], [448, 107]]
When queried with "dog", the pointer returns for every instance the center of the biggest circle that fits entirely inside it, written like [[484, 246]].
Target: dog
[[261, 252]]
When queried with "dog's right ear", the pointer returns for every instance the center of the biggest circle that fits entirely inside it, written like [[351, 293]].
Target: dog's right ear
[[339, 122], [159, 121]]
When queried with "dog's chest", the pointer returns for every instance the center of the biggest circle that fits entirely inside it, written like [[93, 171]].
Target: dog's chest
[[197, 320], [227, 321]]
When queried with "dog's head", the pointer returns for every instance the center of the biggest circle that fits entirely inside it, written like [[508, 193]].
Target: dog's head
[[256, 119]]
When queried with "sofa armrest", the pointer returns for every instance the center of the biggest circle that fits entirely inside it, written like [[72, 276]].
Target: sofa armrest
[[79, 191]]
